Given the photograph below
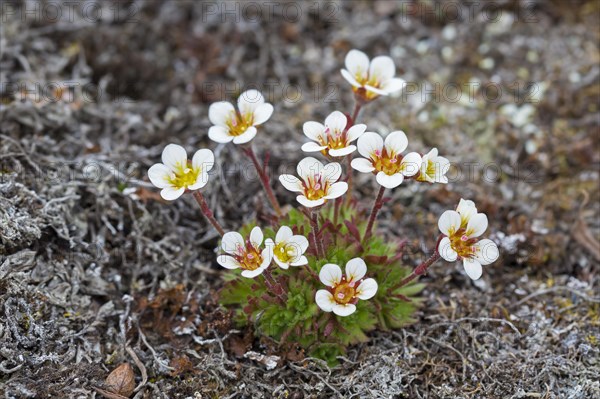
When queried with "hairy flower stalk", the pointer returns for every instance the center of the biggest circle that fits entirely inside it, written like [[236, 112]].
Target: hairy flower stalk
[[422, 268], [376, 207], [357, 108], [264, 179], [314, 224], [207, 212]]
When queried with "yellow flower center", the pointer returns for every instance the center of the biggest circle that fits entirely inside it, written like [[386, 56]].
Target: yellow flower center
[[285, 253], [430, 171], [238, 123], [390, 164], [184, 176], [366, 80], [344, 292], [249, 257], [334, 140], [315, 188], [462, 244]]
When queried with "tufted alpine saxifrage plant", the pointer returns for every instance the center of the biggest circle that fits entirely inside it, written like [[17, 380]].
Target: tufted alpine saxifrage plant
[[319, 276]]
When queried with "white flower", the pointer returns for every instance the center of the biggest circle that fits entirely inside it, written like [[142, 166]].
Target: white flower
[[238, 125], [176, 174], [343, 292], [319, 183], [245, 255], [385, 158], [462, 229], [372, 78], [288, 249], [434, 168], [332, 138]]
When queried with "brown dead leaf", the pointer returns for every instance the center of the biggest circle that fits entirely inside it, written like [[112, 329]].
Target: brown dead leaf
[[121, 380]]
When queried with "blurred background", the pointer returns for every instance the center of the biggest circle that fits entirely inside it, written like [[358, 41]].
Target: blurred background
[[94, 265]]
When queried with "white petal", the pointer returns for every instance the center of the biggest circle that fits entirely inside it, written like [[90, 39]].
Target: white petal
[[355, 132], [445, 250], [382, 68], [362, 165], [246, 136], [336, 190], [357, 63], [342, 152], [332, 172], [203, 159], [313, 130], [171, 193], [159, 175], [312, 147], [309, 166], [368, 143], [219, 134], [411, 164], [486, 251], [249, 101], [396, 142], [477, 225], [228, 262], [309, 203], [473, 268], [344, 310], [281, 264], [201, 181], [220, 112], [291, 183], [393, 85], [330, 274], [375, 90], [336, 121], [299, 242], [174, 157], [283, 234], [262, 114], [252, 273], [301, 262], [231, 241], [324, 300], [449, 222], [348, 76], [367, 289], [256, 237], [355, 269], [267, 255], [466, 208], [432, 154], [389, 181]]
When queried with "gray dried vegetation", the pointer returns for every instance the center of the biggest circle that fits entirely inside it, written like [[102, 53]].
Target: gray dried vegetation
[[96, 271]]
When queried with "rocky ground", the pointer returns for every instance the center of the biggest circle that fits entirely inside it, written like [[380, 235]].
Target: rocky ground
[[96, 270]]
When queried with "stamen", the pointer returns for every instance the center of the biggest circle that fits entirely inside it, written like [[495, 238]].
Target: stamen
[[340, 295], [393, 160], [464, 237], [378, 153]]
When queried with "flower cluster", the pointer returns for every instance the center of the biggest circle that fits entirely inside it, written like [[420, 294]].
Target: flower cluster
[[316, 237]]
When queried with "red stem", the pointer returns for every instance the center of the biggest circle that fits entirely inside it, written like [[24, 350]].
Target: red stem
[[376, 207], [314, 224], [264, 179], [349, 180], [357, 108], [422, 268], [274, 286], [207, 212]]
